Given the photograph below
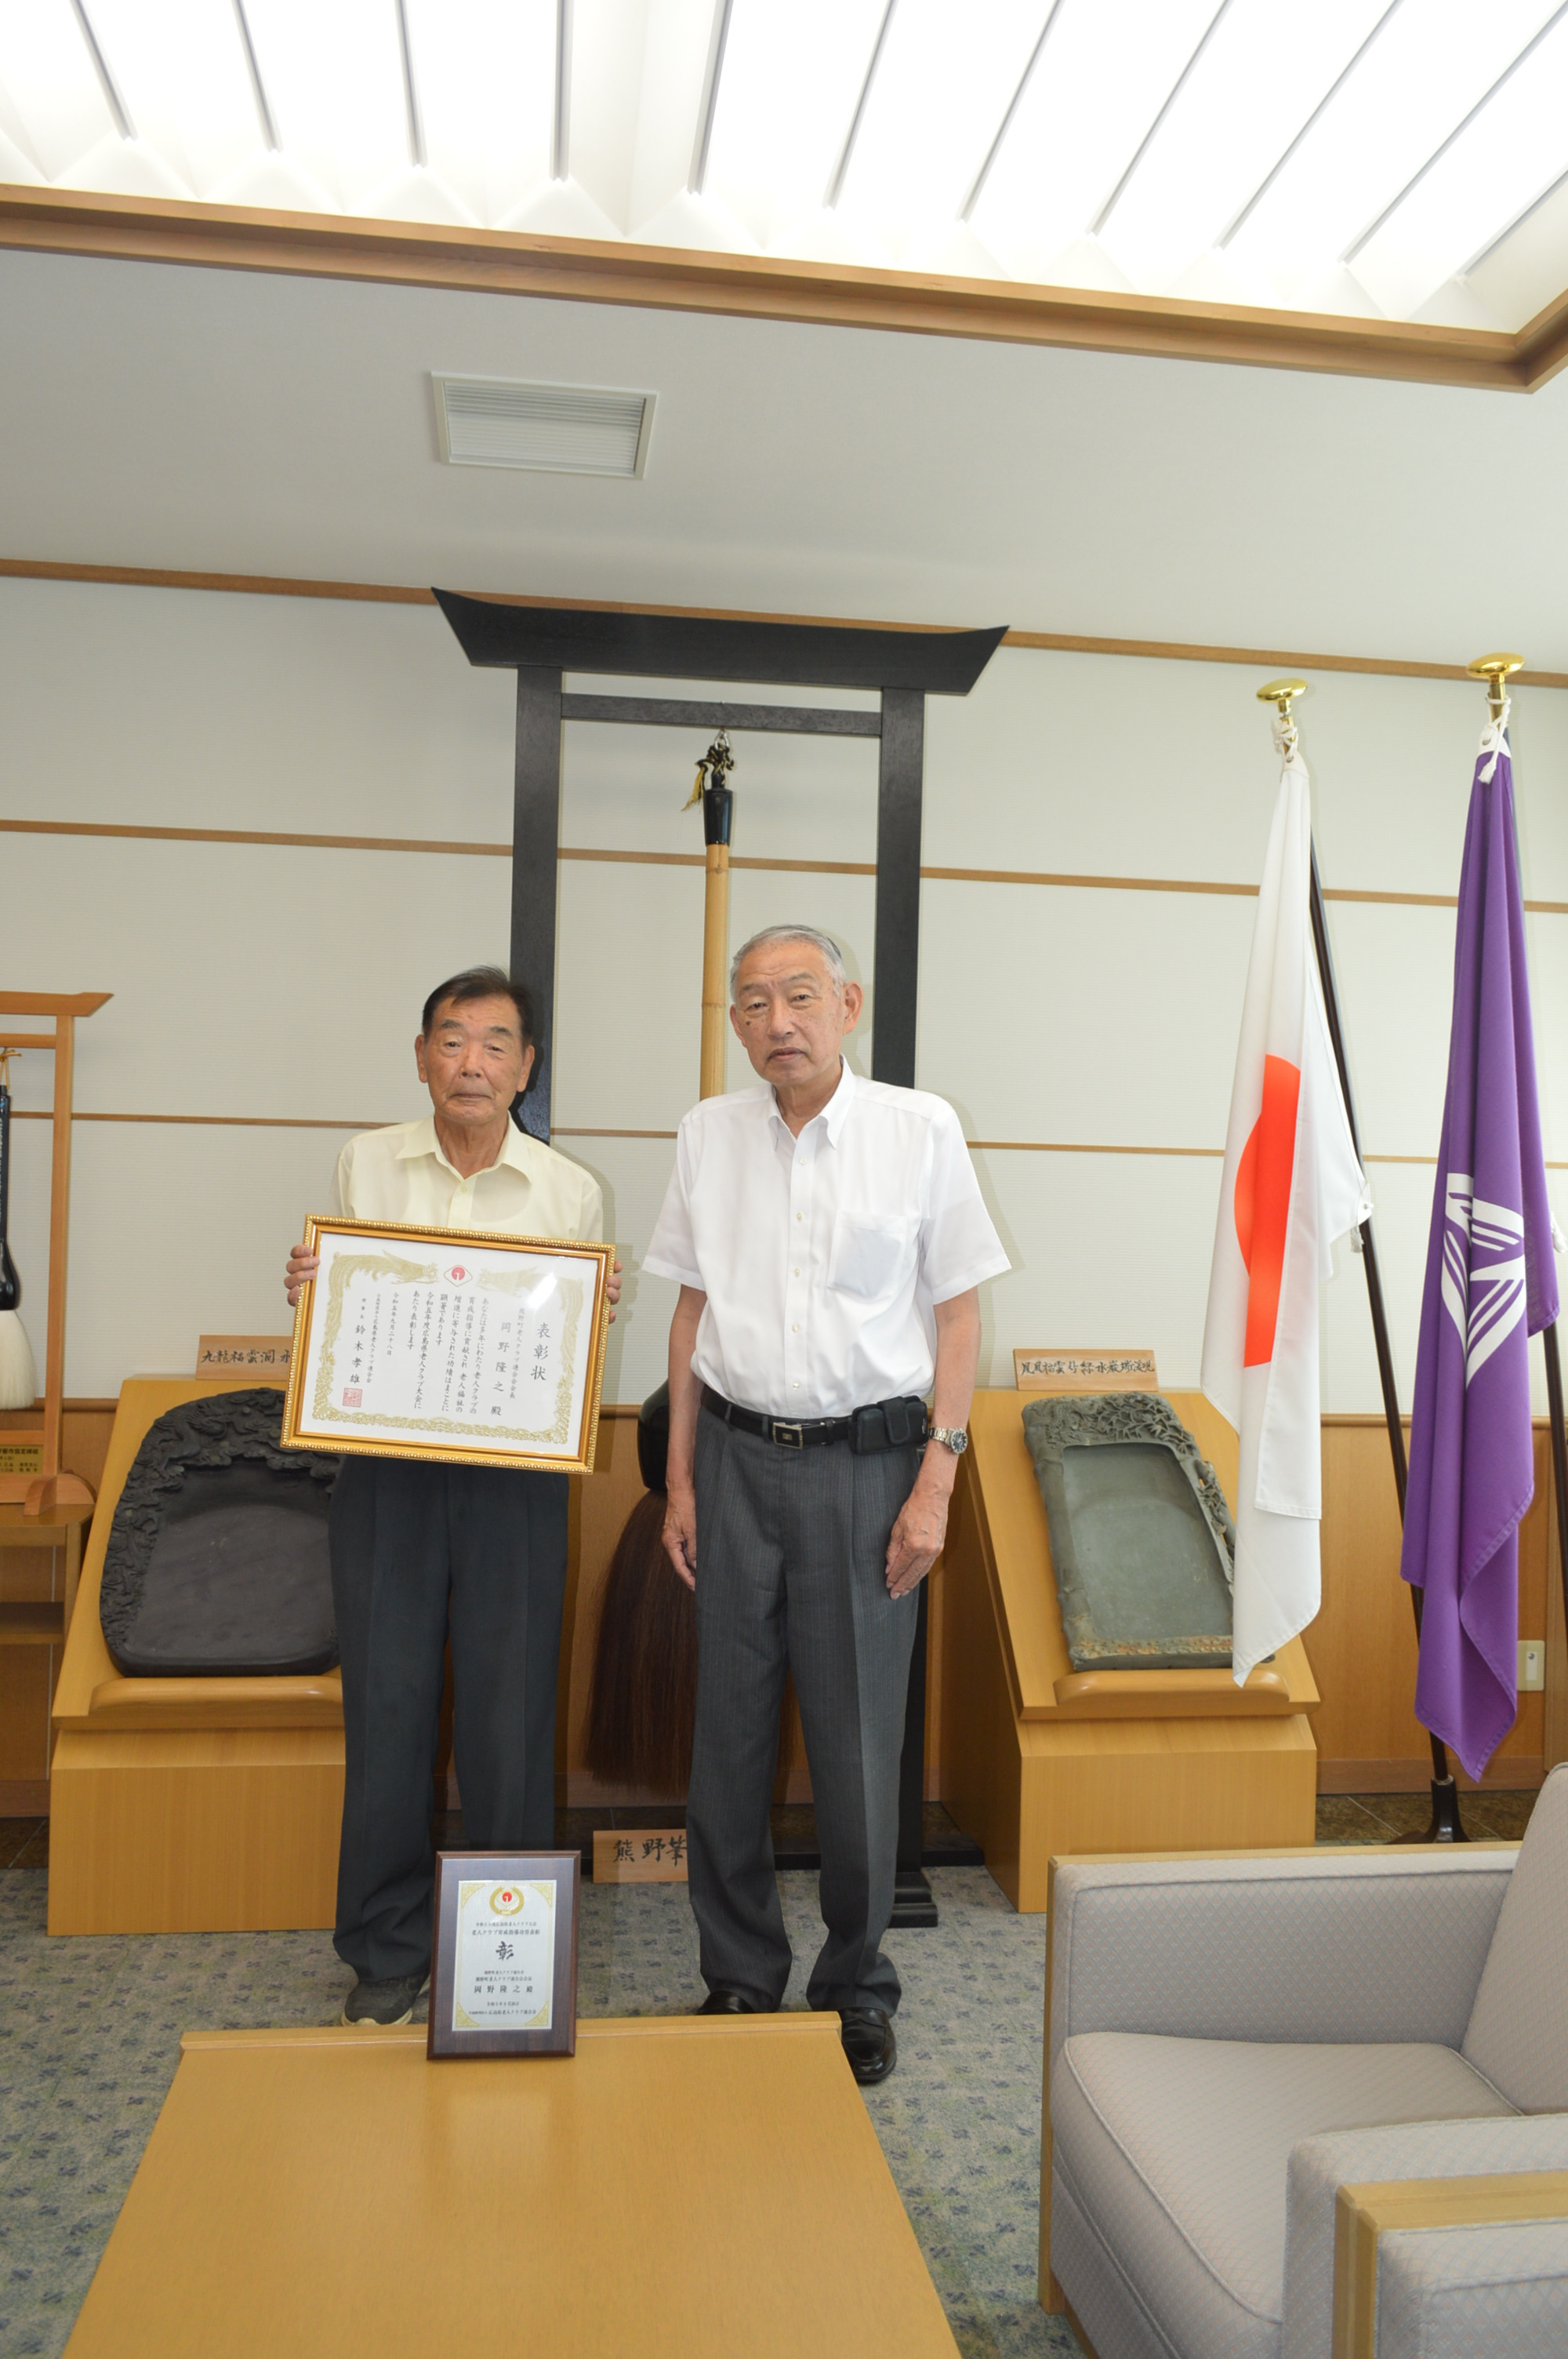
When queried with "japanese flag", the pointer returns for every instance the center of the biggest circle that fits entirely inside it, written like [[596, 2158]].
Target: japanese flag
[[1293, 1184]]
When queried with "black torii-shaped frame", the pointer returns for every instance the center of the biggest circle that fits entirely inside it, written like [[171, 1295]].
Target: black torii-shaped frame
[[541, 643]]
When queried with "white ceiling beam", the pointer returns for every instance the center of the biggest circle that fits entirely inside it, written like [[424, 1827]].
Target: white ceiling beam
[[1005, 126], [1111, 203], [835, 188], [106, 83], [264, 115], [560, 132], [410, 88], [709, 103]]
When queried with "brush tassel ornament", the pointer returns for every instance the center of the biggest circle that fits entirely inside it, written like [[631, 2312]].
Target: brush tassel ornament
[[18, 1376]]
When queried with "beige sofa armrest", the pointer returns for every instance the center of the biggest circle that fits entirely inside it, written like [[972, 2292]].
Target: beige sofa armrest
[[1370, 2158]]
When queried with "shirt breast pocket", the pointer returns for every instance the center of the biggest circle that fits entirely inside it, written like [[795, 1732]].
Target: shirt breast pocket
[[873, 1256]]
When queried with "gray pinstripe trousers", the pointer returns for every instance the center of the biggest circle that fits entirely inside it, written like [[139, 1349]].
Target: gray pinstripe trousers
[[790, 1572]]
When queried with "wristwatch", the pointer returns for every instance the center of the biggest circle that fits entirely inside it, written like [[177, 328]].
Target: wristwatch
[[955, 1437]]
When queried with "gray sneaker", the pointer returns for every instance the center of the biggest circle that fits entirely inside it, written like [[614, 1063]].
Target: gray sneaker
[[386, 2003]]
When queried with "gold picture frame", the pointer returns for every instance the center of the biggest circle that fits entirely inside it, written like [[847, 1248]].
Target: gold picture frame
[[488, 1318]]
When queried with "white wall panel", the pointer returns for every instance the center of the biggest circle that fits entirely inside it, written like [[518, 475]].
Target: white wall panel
[[180, 708], [1100, 766], [795, 798], [286, 982], [247, 979], [1097, 1016], [1107, 1249]]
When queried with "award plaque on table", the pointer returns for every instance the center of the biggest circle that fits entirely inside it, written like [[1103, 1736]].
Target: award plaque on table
[[503, 1957], [460, 1344]]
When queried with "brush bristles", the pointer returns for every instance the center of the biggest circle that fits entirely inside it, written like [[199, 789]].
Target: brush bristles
[[19, 1375]]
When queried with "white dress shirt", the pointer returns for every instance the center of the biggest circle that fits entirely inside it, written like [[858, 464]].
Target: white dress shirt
[[400, 1174], [822, 1256]]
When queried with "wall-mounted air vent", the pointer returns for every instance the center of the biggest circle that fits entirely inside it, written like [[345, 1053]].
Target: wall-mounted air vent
[[558, 429]]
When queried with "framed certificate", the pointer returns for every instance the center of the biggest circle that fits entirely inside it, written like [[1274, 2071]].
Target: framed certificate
[[504, 1955], [449, 1343]]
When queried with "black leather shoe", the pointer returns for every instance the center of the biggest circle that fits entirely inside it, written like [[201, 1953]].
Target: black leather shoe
[[727, 2002], [869, 2043]]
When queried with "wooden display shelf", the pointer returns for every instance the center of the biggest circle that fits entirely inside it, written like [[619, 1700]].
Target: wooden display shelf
[[1040, 1759], [180, 1805], [680, 2187]]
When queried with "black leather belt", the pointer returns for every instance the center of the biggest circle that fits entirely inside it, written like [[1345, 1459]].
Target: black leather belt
[[885, 1425]]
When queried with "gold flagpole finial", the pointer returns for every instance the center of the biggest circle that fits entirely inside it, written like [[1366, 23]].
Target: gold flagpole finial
[[1495, 670], [1282, 692]]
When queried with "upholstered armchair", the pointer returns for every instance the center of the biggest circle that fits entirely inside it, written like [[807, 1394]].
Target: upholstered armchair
[[1249, 2060]]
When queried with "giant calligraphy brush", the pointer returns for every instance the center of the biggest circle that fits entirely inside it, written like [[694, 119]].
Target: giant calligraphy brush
[[644, 1700], [18, 1376]]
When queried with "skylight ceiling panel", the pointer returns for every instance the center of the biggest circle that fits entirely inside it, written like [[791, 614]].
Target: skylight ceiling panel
[[792, 79], [51, 83], [1103, 76], [1516, 148], [1419, 79], [333, 72], [181, 71], [944, 83], [606, 42], [485, 74], [1220, 139]]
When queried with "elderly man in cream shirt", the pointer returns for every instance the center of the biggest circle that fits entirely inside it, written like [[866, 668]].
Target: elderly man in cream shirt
[[422, 1552], [828, 1237]]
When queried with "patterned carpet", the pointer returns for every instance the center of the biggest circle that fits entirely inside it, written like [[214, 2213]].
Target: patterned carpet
[[91, 2038], [90, 2041]]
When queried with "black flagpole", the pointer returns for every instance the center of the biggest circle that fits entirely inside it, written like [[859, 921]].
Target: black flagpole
[[1559, 1452], [1445, 1825], [1495, 670]]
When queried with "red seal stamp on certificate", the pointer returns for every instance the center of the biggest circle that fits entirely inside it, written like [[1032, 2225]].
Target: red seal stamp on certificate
[[353, 1395]]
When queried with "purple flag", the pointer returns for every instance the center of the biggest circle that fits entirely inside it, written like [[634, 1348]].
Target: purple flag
[[1490, 1285]]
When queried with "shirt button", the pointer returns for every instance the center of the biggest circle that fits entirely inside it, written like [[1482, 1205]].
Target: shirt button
[[797, 1273], [795, 1329], [795, 1386]]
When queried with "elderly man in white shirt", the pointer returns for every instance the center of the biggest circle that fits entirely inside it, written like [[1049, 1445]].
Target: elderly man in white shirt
[[421, 1551], [828, 1237]]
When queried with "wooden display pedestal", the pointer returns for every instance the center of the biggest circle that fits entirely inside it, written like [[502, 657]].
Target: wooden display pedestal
[[186, 1805], [1039, 1759]]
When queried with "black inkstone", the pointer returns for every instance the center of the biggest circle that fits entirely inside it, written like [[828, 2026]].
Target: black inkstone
[[217, 1563]]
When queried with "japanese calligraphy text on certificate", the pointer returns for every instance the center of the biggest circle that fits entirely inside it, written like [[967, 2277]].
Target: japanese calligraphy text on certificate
[[449, 1343]]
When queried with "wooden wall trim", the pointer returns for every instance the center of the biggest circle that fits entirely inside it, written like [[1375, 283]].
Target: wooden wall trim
[[1062, 880], [268, 586], [582, 270], [378, 1122]]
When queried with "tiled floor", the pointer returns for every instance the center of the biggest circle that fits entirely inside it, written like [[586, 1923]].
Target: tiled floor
[[1495, 1814]]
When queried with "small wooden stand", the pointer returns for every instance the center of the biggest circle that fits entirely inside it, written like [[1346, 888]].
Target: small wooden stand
[[50, 1489]]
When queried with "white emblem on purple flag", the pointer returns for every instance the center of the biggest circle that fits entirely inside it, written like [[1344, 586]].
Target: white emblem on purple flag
[[1483, 1271]]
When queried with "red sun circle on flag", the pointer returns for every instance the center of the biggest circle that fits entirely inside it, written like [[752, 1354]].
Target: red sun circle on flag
[[1262, 1203], [458, 1274]]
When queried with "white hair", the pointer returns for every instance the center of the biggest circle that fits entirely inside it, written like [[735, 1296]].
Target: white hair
[[832, 957]]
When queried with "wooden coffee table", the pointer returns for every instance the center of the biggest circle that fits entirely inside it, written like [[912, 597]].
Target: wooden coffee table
[[682, 2187]]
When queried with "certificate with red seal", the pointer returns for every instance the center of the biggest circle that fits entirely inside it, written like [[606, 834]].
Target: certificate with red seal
[[463, 1345]]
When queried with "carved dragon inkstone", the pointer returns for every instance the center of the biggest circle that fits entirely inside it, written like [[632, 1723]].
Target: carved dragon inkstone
[[217, 1562], [1141, 1540]]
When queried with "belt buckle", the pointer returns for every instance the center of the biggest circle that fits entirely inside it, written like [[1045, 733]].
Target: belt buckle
[[788, 1437]]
